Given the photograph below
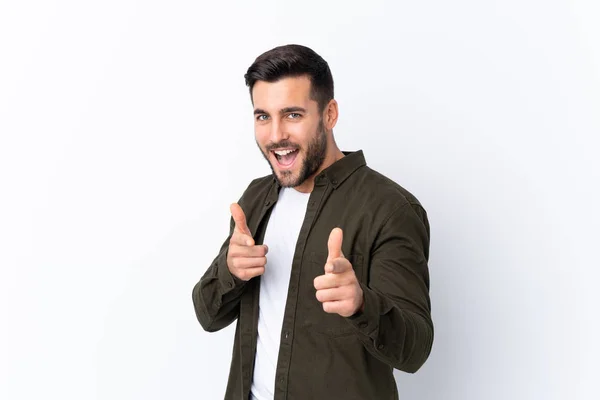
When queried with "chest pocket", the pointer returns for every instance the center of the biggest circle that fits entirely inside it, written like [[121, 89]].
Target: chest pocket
[[313, 317]]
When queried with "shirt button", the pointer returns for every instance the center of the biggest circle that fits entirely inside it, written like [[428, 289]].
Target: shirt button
[[380, 346], [287, 334], [267, 203], [362, 325], [334, 181]]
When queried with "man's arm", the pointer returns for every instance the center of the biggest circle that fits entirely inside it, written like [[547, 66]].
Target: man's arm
[[216, 296], [395, 322]]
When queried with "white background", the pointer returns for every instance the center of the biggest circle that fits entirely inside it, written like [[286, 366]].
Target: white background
[[126, 132]]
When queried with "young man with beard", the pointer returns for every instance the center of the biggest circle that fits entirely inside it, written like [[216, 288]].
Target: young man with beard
[[326, 265]]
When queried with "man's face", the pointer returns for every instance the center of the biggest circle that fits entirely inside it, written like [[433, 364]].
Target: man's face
[[289, 129]]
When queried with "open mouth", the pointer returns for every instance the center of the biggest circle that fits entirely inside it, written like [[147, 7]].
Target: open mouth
[[285, 158]]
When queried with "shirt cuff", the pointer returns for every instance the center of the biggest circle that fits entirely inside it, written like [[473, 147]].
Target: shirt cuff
[[367, 320]]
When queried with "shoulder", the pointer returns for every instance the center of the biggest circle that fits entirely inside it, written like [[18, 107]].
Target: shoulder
[[260, 186], [384, 190], [257, 190], [398, 206]]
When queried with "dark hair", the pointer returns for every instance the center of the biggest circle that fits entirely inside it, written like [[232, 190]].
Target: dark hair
[[292, 61]]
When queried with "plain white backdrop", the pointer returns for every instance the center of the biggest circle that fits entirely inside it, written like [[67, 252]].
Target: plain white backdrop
[[126, 132]]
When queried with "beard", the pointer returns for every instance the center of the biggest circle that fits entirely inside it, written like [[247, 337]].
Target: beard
[[316, 151]]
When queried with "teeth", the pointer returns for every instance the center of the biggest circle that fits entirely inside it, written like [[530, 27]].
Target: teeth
[[283, 152]]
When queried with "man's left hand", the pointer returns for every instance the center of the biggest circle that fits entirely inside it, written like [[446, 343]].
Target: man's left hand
[[338, 289]]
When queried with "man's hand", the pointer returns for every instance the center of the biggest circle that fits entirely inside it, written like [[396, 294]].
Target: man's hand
[[338, 289], [245, 260]]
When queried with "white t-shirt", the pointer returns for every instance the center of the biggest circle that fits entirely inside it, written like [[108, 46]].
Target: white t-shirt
[[281, 236]]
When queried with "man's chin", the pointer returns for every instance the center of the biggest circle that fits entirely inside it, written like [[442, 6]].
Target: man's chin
[[287, 180]]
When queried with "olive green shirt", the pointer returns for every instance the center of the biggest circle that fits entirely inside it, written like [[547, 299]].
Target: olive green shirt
[[326, 356]]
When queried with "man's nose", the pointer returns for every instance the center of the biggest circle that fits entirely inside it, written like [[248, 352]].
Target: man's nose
[[278, 132]]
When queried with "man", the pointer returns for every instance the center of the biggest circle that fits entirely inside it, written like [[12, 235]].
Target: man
[[325, 268]]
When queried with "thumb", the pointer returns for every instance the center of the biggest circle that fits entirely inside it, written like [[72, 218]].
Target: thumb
[[335, 244], [240, 219]]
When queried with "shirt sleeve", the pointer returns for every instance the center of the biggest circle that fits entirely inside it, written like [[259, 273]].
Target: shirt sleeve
[[395, 324]]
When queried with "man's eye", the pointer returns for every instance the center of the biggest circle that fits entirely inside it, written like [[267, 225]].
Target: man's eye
[[294, 115], [261, 117]]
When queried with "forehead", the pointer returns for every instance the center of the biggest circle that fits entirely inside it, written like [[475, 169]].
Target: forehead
[[285, 92]]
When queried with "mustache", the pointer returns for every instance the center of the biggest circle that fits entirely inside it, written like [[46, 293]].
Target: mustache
[[285, 144]]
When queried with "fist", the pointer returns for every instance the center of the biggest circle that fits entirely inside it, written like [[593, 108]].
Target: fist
[[338, 289], [245, 260]]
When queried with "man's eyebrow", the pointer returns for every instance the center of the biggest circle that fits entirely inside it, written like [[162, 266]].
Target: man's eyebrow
[[285, 110], [260, 111]]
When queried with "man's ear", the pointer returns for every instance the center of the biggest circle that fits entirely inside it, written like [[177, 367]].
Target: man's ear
[[330, 114]]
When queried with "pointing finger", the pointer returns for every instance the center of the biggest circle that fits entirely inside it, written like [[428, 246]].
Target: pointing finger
[[241, 250], [328, 281], [241, 239], [335, 244], [240, 219], [338, 266]]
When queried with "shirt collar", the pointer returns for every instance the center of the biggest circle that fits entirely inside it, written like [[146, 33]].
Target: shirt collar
[[340, 170]]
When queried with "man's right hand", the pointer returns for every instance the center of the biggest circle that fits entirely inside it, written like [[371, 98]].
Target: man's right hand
[[245, 260]]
